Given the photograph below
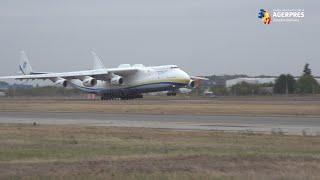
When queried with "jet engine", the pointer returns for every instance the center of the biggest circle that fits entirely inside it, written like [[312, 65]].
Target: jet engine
[[89, 81], [116, 80], [61, 82], [191, 84]]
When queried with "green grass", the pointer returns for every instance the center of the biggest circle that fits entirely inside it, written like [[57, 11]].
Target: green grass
[[140, 153], [79, 145]]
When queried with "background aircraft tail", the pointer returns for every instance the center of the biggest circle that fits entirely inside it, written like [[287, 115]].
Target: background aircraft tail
[[24, 65]]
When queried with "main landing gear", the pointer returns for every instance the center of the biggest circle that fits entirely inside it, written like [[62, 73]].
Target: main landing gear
[[124, 97], [171, 94]]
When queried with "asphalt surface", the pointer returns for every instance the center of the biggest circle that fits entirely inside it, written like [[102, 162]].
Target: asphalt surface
[[288, 125]]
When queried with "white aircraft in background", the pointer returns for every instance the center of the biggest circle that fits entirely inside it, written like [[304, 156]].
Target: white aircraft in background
[[124, 82]]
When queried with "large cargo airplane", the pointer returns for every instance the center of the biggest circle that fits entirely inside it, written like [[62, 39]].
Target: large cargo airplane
[[124, 82]]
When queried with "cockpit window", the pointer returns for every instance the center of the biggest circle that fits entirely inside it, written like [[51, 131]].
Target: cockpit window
[[174, 67]]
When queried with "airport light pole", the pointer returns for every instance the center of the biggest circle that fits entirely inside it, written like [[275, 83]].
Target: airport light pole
[[287, 90]]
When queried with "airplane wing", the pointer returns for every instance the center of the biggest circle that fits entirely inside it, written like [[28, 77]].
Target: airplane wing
[[123, 71], [198, 78], [100, 74]]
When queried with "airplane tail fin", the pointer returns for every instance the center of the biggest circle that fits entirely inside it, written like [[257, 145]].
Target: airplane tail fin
[[24, 65], [97, 64]]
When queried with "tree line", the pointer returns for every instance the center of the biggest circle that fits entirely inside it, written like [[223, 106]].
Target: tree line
[[305, 84], [284, 84], [43, 91]]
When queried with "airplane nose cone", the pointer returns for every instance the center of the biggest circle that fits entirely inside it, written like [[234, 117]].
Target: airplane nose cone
[[185, 76]]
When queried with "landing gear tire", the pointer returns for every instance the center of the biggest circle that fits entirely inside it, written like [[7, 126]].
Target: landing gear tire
[[105, 97], [134, 96], [124, 97], [171, 94], [139, 96]]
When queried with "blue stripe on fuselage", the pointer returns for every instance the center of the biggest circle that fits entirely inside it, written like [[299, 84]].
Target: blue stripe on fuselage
[[152, 87]]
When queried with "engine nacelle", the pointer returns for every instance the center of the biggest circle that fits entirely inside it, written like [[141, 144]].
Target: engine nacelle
[[116, 80], [191, 84], [89, 81], [61, 82]]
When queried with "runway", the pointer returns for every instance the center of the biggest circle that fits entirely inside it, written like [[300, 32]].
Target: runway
[[287, 125]]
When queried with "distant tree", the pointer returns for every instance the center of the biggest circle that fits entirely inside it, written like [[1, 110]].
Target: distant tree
[[43, 91], [220, 91], [306, 84], [244, 88], [268, 84], [285, 83], [3, 84], [307, 70]]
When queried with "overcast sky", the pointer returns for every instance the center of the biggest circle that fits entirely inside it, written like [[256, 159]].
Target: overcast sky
[[203, 37]]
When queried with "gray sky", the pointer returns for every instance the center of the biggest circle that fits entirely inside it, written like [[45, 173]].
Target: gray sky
[[201, 36]]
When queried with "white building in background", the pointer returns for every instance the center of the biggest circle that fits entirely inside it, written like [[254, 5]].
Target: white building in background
[[232, 82], [2, 94]]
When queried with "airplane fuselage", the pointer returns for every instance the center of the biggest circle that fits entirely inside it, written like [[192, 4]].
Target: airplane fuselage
[[146, 79]]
